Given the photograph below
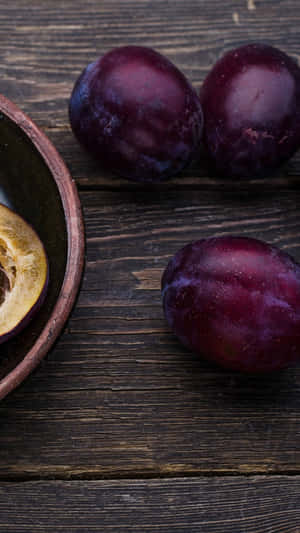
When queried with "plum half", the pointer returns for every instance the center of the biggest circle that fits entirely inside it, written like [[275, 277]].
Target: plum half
[[137, 114], [251, 106], [23, 273], [235, 301]]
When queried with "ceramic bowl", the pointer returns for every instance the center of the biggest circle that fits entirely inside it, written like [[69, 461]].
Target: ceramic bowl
[[35, 183]]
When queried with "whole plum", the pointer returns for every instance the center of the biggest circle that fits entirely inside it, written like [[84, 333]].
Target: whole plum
[[137, 113], [251, 107], [236, 301]]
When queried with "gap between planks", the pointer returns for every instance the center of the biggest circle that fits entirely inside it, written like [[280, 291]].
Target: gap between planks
[[141, 476]]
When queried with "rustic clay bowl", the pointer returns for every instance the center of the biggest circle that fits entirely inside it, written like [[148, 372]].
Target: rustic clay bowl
[[35, 183]]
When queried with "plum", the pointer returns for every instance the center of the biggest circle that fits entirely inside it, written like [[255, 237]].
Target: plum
[[137, 114], [235, 301], [23, 273], [251, 106]]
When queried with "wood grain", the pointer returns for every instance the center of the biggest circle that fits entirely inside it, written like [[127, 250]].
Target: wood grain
[[223, 505], [119, 396], [44, 47]]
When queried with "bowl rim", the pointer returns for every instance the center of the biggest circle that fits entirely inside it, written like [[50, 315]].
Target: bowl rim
[[75, 246]]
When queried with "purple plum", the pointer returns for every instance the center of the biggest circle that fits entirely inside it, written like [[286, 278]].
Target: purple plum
[[251, 106], [235, 301], [137, 114]]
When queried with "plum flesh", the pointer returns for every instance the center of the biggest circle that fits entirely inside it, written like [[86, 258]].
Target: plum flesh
[[137, 113], [235, 301], [251, 107], [23, 273]]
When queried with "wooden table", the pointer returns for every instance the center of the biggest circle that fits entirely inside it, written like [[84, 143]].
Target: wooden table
[[121, 429]]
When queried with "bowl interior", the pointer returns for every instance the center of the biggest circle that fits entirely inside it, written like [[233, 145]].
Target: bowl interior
[[27, 186]]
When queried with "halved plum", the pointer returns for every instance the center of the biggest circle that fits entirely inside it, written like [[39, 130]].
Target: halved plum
[[23, 273]]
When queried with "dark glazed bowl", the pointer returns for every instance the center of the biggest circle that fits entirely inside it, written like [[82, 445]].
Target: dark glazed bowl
[[35, 183]]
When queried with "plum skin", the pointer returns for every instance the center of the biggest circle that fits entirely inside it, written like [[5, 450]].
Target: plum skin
[[137, 114], [251, 106], [235, 301]]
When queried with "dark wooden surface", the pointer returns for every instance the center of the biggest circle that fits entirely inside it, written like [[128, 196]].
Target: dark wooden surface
[[220, 505], [118, 401]]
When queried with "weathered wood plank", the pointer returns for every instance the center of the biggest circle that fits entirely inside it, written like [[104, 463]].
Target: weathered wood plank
[[43, 48], [224, 505], [118, 395]]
